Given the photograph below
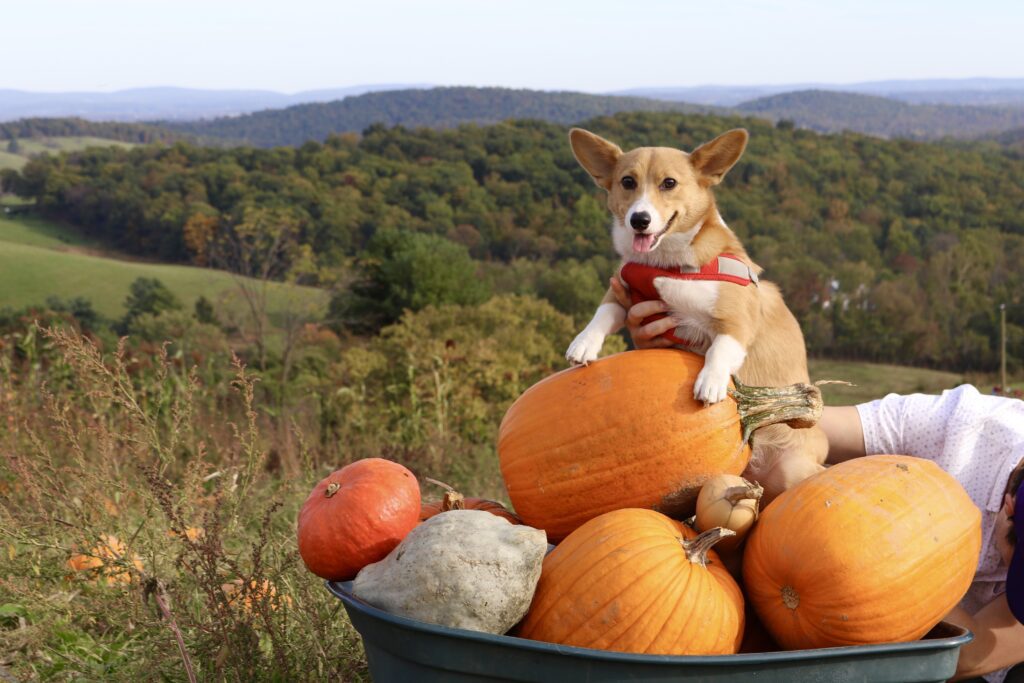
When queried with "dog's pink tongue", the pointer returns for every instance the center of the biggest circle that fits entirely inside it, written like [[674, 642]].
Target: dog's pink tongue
[[643, 243]]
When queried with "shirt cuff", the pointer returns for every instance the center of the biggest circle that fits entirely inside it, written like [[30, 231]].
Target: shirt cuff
[[869, 420]]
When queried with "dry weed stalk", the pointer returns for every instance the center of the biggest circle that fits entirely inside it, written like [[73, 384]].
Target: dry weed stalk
[[105, 453]]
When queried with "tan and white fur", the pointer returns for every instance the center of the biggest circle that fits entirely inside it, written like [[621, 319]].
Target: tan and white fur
[[741, 330]]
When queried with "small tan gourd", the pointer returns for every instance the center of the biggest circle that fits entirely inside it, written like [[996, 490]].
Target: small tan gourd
[[731, 502]]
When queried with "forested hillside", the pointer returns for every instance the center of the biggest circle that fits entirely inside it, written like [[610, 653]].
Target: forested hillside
[[885, 250], [820, 110], [68, 127], [828, 111], [1012, 139], [434, 108]]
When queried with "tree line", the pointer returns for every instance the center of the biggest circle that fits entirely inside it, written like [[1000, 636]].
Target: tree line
[[885, 250], [139, 133]]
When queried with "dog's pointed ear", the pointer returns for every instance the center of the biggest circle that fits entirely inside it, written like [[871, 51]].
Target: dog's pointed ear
[[596, 155], [712, 160]]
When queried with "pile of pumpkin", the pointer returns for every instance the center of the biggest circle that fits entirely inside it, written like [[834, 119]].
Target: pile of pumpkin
[[605, 461]]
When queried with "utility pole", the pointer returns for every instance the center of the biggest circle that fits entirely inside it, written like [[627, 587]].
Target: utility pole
[[1002, 347]]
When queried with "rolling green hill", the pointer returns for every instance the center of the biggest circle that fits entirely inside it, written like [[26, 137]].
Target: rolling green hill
[[35, 232], [821, 110], [8, 160], [74, 127], [875, 380], [28, 147], [39, 259], [828, 111], [434, 108]]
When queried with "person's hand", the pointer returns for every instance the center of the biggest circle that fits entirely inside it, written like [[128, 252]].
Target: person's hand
[[644, 336]]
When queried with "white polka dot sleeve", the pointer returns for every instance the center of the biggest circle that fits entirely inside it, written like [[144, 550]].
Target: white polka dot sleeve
[[907, 425]]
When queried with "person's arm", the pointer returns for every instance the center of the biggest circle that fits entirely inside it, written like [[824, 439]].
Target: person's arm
[[914, 424], [998, 639], [845, 433]]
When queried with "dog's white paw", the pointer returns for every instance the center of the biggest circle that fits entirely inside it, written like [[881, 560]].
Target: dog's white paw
[[584, 348], [712, 385]]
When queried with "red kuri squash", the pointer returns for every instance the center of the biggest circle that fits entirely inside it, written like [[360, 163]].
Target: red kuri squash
[[356, 516]]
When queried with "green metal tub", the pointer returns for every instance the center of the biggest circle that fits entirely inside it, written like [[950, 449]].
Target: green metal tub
[[401, 650]]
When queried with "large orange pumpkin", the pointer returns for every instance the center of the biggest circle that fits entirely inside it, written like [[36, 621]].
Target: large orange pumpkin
[[636, 581], [356, 516], [625, 431], [873, 550]]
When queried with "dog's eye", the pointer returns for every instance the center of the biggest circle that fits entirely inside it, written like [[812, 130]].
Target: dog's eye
[[668, 183], [628, 182]]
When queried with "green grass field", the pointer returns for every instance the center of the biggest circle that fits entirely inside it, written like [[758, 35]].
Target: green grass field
[[37, 232], [30, 146], [875, 380], [39, 259], [8, 160]]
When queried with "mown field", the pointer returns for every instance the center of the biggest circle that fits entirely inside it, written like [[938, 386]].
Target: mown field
[[875, 380], [39, 259], [30, 146]]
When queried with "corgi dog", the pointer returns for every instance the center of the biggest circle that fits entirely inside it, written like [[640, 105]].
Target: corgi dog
[[676, 247]]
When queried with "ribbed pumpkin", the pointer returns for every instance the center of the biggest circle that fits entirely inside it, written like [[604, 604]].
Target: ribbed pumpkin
[[876, 549], [633, 581], [755, 636], [626, 432], [356, 516]]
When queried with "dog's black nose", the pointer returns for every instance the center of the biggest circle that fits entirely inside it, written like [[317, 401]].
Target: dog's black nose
[[640, 220]]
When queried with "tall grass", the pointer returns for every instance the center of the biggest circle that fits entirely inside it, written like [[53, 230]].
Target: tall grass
[[178, 510], [171, 477]]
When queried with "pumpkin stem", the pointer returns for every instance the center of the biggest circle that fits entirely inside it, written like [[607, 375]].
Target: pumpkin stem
[[443, 485], [697, 548], [797, 405], [332, 488], [452, 500], [746, 491]]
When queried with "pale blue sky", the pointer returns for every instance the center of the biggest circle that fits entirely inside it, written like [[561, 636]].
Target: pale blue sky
[[596, 45]]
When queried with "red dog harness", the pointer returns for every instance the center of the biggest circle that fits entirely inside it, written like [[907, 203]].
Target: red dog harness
[[640, 279]]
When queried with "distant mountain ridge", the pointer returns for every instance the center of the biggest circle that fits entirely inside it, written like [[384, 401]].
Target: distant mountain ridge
[[977, 91], [181, 104], [827, 111], [820, 110], [434, 108], [140, 104]]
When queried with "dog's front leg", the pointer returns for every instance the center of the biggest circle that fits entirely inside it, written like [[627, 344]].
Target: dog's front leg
[[607, 320], [723, 359]]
